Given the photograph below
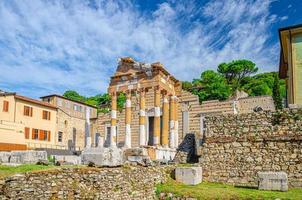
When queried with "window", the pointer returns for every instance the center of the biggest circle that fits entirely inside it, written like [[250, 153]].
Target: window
[[77, 108], [46, 115], [28, 111], [26, 132], [5, 106], [44, 135], [35, 134], [60, 136]]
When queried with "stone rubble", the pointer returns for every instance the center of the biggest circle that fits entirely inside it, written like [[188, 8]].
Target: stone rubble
[[127, 183]]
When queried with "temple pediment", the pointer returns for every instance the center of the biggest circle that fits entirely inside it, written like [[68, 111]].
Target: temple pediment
[[133, 75]]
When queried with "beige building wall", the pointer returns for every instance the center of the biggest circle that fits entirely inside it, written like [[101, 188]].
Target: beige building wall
[[37, 122], [297, 68], [14, 122], [71, 122], [290, 67]]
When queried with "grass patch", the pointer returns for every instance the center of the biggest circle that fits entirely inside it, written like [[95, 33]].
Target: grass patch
[[207, 190], [11, 170]]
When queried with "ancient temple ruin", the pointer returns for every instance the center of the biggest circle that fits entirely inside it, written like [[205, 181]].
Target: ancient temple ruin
[[157, 113]]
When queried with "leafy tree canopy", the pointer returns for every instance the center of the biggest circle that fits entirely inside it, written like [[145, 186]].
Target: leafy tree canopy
[[231, 76], [213, 86], [235, 71], [102, 101]]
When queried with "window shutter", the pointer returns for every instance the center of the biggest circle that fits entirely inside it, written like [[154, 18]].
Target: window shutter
[[41, 134], [48, 115], [31, 111], [24, 110], [33, 134], [48, 136], [5, 106], [26, 131]]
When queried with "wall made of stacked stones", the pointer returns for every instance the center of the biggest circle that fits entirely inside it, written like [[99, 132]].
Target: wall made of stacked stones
[[85, 183], [236, 147]]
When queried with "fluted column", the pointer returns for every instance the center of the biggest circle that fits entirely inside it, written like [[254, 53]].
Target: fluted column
[[156, 136], [165, 123], [128, 120], [113, 120], [142, 115], [172, 115], [176, 122]]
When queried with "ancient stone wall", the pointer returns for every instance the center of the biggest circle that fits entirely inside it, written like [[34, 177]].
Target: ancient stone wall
[[236, 147], [85, 183]]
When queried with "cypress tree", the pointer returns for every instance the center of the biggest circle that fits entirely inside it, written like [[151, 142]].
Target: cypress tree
[[276, 93]]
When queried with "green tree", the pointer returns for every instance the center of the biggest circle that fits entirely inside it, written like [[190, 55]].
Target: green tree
[[276, 92], [121, 99], [186, 85], [213, 86], [262, 84], [73, 95], [235, 72]]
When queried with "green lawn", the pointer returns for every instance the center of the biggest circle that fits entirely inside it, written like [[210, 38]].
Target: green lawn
[[222, 191], [11, 170]]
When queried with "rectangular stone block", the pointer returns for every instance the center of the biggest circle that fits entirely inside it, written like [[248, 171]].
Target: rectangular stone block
[[24, 157], [272, 181], [74, 160], [188, 175]]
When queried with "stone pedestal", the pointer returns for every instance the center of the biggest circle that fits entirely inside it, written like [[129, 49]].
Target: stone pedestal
[[103, 157], [161, 153], [138, 155], [272, 181], [188, 175]]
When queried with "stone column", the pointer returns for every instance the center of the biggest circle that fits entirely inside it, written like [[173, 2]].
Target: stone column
[[165, 123], [87, 127], [172, 115], [156, 133], [128, 120], [113, 120], [142, 115], [176, 122]]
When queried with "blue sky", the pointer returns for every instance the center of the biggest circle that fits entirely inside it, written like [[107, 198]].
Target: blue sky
[[49, 46]]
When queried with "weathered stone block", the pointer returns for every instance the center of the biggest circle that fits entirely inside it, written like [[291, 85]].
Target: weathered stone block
[[24, 157], [111, 156], [4, 157], [272, 181], [188, 175], [70, 159]]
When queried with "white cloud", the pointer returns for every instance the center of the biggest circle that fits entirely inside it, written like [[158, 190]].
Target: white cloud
[[54, 45]]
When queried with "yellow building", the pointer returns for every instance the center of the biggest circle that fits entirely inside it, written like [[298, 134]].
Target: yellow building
[[290, 67], [26, 123]]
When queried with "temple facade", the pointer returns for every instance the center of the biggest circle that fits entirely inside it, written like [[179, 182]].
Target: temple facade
[[157, 113]]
